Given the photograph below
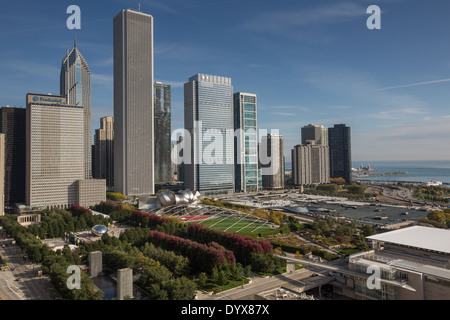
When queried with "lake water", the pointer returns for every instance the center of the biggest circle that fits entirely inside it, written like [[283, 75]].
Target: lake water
[[417, 171]]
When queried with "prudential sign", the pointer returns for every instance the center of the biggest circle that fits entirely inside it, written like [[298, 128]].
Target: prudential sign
[[59, 100]]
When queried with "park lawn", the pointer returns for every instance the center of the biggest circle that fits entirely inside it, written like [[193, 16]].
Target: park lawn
[[233, 225]]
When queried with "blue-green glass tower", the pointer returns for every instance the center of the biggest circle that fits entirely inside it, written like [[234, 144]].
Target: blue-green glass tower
[[247, 175]]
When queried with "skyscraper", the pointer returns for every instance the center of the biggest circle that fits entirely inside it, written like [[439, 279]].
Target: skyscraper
[[208, 117], [75, 85], [314, 134], [340, 152], [103, 164], [13, 125], [246, 145], [54, 156], [163, 143], [271, 146], [310, 164], [133, 104], [2, 174]]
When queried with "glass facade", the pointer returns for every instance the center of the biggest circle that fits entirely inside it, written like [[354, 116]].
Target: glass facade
[[246, 146], [162, 114], [339, 139], [75, 85], [209, 118]]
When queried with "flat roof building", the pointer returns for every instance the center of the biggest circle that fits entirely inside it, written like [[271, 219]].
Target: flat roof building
[[133, 104], [272, 172], [12, 124], [54, 154], [416, 258], [208, 115], [2, 174]]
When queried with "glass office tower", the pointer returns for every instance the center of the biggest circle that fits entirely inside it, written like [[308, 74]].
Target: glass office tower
[[75, 85], [339, 139], [246, 144], [208, 117], [13, 125], [163, 144]]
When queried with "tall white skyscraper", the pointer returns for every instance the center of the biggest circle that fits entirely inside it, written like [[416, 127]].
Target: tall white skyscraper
[[133, 104], [208, 117], [75, 85]]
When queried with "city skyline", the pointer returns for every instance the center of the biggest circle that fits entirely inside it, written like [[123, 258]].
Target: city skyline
[[307, 63]]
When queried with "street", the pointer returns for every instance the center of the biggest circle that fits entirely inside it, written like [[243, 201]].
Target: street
[[21, 281]]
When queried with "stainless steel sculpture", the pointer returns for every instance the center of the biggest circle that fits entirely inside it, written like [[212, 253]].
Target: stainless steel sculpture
[[99, 230], [167, 198]]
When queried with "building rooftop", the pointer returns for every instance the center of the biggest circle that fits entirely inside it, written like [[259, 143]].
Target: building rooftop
[[426, 238]]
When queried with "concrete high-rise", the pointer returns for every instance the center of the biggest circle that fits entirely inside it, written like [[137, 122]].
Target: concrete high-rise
[[54, 155], [208, 117], [310, 164], [314, 134], [103, 164], [133, 104], [271, 146], [246, 145], [2, 174], [163, 143], [75, 85], [339, 139], [13, 125], [54, 151]]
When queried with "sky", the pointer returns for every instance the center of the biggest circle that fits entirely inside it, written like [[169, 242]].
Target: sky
[[308, 62]]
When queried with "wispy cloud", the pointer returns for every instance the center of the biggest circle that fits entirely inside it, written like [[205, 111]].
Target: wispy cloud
[[102, 79], [296, 108], [275, 22], [405, 142], [415, 84], [284, 114], [180, 51]]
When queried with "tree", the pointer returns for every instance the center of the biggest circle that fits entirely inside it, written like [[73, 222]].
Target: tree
[[222, 278], [115, 196], [214, 274], [202, 280]]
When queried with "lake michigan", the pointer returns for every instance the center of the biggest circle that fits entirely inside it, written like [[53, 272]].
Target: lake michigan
[[416, 171]]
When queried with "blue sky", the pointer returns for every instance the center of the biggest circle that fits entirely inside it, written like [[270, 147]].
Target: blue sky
[[308, 62]]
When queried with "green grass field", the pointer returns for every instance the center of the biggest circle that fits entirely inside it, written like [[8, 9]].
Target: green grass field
[[233, 225]]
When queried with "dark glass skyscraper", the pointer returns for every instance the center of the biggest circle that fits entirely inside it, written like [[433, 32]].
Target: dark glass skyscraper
[[339, 139], [163, 145], [75, 85], [271, 146], [13, 125]]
